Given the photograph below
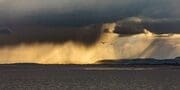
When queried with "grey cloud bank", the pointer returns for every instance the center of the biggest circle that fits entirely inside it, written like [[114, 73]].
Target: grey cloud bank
[[154, 8], [83, 12]]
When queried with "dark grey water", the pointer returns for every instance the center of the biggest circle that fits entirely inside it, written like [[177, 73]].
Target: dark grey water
[[88, 77]]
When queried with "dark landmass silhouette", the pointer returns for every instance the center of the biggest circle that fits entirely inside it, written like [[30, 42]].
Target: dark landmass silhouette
[[146, 61], [120, 62]]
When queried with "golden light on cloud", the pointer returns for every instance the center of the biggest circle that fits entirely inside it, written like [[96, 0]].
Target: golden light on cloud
[[110, 46]]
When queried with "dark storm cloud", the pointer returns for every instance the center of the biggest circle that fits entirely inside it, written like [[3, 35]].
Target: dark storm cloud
[[83, 12], [135, 25], [83, 9]]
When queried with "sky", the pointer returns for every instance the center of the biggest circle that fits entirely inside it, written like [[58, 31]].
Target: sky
[[83, 12], [91, 11], [34, 29]]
